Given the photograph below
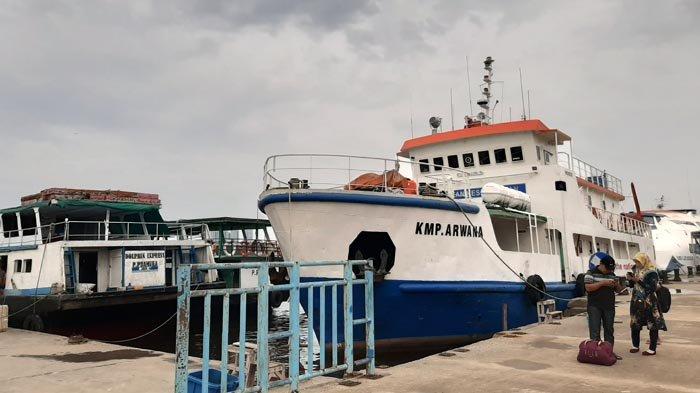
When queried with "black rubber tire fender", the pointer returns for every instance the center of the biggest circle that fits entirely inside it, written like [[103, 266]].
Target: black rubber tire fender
[[532, 294], [33, 323]]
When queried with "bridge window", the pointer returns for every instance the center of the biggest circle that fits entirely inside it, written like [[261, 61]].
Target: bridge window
[[500, 156], [27, 268], [484, 157], [453, 161], [468, 159], [439, 162], [18, 266], [424, 167], [516, 153]]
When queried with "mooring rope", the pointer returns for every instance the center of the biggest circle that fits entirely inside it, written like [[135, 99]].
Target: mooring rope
[[501, 259]]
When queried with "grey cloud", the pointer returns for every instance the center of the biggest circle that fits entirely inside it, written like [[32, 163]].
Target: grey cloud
[[187, 98]]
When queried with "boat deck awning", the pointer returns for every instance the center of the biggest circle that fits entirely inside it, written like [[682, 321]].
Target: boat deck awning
[[499, 212], [86, 209]]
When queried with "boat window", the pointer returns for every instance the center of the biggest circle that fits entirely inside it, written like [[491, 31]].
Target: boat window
[[468, 159], [453, 161], [28, 224], [516, 153], [590, 201], [539, 153], [500, 156], [603, 205], [547, 156], [424, 167], [27, 266], [18, 266], [10, 227], [439, 162], [484, 158]]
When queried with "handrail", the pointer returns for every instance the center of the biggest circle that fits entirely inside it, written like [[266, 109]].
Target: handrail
[[83, 230], [620, 223], [591, 173], [271, 169]]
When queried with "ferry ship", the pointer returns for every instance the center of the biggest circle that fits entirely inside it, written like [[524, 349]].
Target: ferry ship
[[672, 231], [70, 258], [455, 226]]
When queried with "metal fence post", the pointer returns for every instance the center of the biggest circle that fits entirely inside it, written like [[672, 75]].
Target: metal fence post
[[263, 355], [369, 315], [183, 328], [206, 337], [348, 317], [294, 279], [224, 342]]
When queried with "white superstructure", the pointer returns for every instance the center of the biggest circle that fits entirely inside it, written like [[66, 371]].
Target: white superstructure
[[442, 252]]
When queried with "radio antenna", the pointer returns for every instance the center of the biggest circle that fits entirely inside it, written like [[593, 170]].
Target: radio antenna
[[469, 89], [522, 96], [410, 113], [529, 114], [452, 110]]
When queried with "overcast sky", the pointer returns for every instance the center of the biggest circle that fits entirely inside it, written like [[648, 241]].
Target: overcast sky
[[187, 98]]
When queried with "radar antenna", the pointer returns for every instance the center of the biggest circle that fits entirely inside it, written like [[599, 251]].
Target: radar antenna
[[485, 116]]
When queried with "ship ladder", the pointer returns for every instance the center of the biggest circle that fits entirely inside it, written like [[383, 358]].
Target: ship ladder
[[69, 269]]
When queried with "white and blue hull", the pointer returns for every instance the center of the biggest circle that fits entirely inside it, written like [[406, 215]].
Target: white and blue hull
[[446, 287]]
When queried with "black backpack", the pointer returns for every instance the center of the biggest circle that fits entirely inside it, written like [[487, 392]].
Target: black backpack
[[664, 297]]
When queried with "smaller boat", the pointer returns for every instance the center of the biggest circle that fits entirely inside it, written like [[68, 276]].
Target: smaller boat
[[672, 231], [72, 258]]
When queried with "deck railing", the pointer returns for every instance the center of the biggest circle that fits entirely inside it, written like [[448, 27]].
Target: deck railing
[[590, 173], [74, 230], [620, 223], [246, 248], [336, 172], [298, 290]]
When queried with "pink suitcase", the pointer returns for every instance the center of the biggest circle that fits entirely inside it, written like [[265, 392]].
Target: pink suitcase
[[596, 352]]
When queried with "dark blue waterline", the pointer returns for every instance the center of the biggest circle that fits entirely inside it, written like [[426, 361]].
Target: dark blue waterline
[[434, 310]]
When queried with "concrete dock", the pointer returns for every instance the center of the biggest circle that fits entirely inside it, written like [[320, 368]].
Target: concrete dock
[[38, 362], [540, 358]]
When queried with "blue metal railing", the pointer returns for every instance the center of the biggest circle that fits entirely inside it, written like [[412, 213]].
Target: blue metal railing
[[262, 291]]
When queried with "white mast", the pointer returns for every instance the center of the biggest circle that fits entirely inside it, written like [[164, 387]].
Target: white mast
[[485, 116]]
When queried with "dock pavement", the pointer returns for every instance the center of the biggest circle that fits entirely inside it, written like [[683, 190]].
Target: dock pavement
[[537, 358], [542, 358]]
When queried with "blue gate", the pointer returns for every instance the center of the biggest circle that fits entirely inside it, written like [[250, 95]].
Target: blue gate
[[262, 291]]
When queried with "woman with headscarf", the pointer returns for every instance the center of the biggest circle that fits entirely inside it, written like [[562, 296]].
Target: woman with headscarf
[[644, 308]]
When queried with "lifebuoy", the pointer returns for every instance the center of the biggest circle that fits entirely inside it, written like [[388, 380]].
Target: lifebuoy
[[535, 295]]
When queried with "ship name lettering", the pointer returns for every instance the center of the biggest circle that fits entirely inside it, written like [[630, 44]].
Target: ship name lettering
[[458, 230]]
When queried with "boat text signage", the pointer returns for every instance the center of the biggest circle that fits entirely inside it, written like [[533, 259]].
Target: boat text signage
[[438, 229], [144, 261], [144, 267], [476, 192]]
